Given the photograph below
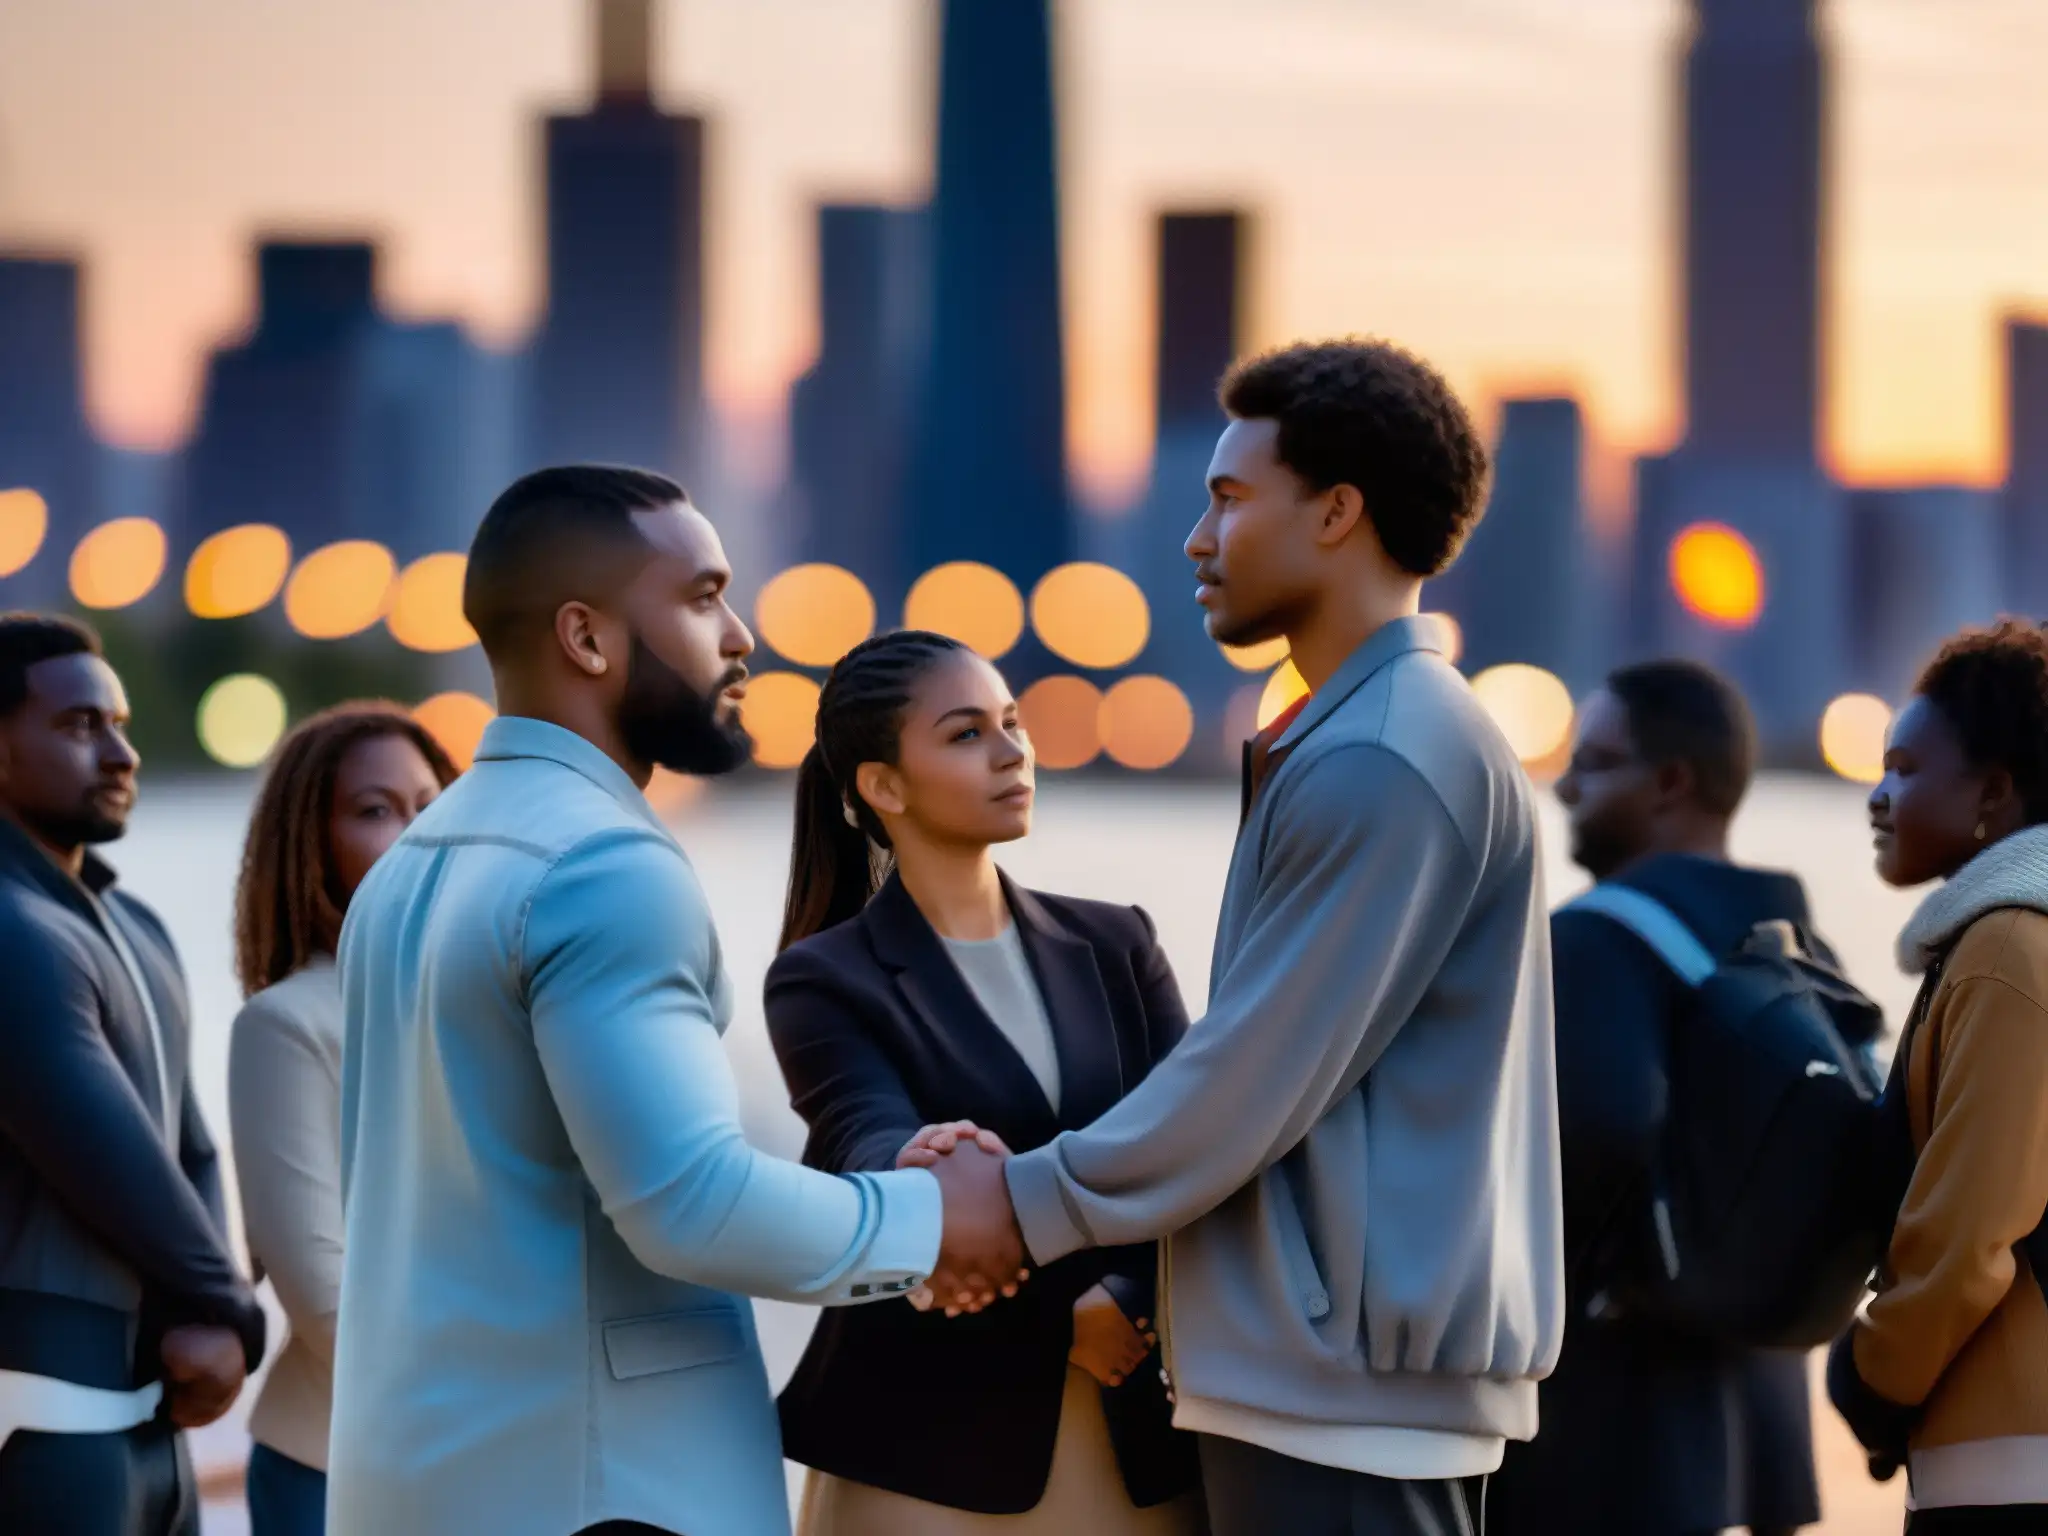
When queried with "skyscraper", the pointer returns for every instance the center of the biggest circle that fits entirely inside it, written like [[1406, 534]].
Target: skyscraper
[[1201, 259], [1754, 179], [1923, 563], [333, 422], [988, 479], [619, 361], [45, 445], [850, 415], [1521, 590], [2025, 542]]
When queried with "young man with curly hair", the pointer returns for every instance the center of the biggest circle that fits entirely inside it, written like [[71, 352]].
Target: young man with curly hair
[[1353, 1157]]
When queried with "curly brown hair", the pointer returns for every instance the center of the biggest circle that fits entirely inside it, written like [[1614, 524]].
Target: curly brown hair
[[1991, 686], [286, 908], [1366, 413]]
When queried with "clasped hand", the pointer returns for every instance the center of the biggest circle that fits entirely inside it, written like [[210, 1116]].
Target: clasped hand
[[981, 1252]]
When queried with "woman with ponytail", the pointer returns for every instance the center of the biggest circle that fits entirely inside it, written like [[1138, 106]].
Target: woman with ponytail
[[919, 986]]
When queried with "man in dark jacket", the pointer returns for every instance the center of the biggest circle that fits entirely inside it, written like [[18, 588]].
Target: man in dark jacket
[[122, 1317], [1644, 1431]]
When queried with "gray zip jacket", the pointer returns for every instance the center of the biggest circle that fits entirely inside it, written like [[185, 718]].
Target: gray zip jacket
[[1353, 1158]]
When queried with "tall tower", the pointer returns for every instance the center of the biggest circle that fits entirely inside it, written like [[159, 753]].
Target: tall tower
[[1755, 87], [1201, 260], [988, 477], [2025, 551], [850, 413], [45, 445], [619, 362]]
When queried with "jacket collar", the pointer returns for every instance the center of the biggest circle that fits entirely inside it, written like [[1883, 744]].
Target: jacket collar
[[2012, 872], [511, 737], [22, 855], [1416, 632], [1070, 983]]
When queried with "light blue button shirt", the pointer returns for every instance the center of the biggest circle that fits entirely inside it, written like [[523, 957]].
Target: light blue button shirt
[[548, 1197]]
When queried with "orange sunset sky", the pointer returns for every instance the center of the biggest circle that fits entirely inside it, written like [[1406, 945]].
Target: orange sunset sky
[[1490, 181]]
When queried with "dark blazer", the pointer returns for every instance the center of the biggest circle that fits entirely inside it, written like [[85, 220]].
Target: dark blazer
[[1642, 1429], [106, 1237], [879, 1034]]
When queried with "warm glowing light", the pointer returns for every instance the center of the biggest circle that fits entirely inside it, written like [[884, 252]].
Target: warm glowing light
[[340, 590], [237, 571], [118, 563], [1064, 717], [1717, 575], [240, 719], [426, 605], [1262, 657], [457, 721], [1282, 689], [1450, 634], [780, 712], [24, 521], [815, 614], [1146, 722], [976, 604], [1532, 708], [1092, 615], [1852, 736], [673, 793]]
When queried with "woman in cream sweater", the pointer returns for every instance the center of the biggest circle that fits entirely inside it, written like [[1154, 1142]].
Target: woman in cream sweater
[[340, 790]]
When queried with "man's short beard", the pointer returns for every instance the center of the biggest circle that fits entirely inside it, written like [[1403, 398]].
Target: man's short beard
[[666, 722], [82, 828]]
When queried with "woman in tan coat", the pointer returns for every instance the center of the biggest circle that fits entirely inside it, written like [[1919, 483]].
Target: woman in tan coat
[[341, 788], [1949, 1370]]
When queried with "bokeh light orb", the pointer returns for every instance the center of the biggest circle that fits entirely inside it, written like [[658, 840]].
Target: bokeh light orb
[[24, 524], [237, 571], [426, 606], [1282, 689], [240, 719], [340, 590], [118, 563], [1146, 723], [1450, 635], [780, 712], [1091, 615], [975, 604], [457, 721], [814, 614], [1852, 736], [1716, 574], [1262, 657], [673, 793], [1532, 707], [1064, 717]]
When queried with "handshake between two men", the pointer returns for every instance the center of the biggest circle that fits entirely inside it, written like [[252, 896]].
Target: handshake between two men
[[981, 1252]]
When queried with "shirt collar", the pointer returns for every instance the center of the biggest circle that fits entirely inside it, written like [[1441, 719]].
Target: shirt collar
[[1416, 632], [509, 737]]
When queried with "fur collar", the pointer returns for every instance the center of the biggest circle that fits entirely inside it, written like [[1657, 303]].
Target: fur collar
[[2012, 872]]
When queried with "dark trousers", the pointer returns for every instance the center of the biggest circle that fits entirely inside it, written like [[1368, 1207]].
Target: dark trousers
[[1987, 1520], [1256, 1492], [138, 1483], [286, 1497]]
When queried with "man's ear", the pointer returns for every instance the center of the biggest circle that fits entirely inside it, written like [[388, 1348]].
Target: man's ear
[[1675, 783], [1343, 510], [579, 632]]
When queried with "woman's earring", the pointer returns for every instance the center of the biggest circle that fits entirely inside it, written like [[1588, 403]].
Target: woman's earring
[[853, 817], [1980, 831]]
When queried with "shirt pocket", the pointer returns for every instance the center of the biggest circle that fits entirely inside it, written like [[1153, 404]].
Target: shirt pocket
[[672, 1341], [1304, 1275]]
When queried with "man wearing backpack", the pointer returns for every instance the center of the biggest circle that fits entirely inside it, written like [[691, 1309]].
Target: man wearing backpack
[[1648, 1429]]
